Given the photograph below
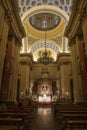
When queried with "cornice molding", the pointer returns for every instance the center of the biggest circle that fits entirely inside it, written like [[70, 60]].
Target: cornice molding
[[72, 41], [75, 18], [64, 58], [18, 41], [26, 62], [26, 59], [83, 14], [80, 37], [12, 15], [10, 37], [26, 55], [64, 62], [62, 55], [7, 16]]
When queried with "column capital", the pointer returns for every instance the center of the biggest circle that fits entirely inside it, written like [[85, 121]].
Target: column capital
[[10, 37], [7, 16], [26, 59], [80, 37], [18, 41], [72, 40], [83, 14]]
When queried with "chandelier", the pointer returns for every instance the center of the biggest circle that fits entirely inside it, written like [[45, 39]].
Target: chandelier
[[45, 58]]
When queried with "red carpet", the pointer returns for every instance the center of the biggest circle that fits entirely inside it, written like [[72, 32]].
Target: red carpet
[[44, 104]]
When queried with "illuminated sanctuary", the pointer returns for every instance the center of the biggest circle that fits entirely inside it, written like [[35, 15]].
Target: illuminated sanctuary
[[43, 64], [43, 50]]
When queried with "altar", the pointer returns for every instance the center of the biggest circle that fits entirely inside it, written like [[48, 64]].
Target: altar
[[44, 99]]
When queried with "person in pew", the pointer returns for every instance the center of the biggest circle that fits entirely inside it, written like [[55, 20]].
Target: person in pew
[[3, 107], [56, 108], [29, 103], [19, 108]]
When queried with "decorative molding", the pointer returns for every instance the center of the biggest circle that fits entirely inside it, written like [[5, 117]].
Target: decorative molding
[[49, 45], [80, 37], [72, 41], [65, 62], [83, 15], [13, 18], [45, 9], [18, 41], [24, 62], [77, 15], [2, 13], [7, 17], [26, 59], [10, 37]]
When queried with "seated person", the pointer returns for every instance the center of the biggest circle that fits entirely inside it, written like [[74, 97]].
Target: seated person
[[3, 107], [19, 108]]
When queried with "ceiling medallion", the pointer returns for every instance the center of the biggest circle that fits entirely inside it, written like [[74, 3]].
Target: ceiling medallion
[[45, 58]]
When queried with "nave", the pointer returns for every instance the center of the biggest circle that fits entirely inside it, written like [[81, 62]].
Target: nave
[[44, 120], [31, 116], [43, 60]]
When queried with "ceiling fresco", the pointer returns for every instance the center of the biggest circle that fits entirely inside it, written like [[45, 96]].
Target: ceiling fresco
[[40, 17]]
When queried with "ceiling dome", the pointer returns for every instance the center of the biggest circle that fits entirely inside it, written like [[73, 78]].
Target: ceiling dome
[[41, 33], [44, 21]]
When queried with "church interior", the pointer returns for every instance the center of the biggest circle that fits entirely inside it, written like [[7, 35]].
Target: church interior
[[43, 64]]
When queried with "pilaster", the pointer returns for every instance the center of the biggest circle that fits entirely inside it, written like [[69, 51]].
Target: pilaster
[[84, 27], [64, 61], [77, 86], [3, 43], [2, 13], [12, 94], [25, 66]]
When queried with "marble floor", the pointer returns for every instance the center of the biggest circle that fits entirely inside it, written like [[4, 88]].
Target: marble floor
[[44, 120]]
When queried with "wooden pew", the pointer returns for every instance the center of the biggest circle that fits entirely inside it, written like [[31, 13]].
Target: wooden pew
[[72, 116], [23, 116], [26, 116], [73, 120], [11, 122], [75, 125], [70, 108]]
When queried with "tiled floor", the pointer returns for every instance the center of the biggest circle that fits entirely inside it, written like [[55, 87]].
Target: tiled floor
[[44, 120]]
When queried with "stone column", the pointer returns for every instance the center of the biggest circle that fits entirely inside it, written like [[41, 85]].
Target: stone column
[[25, 61], [84, 29], [14, 70], [65, 83], [74, 71], [78, 41], [3, 43], [2, 13], [59, 81], [24, 80], [76, 80]]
